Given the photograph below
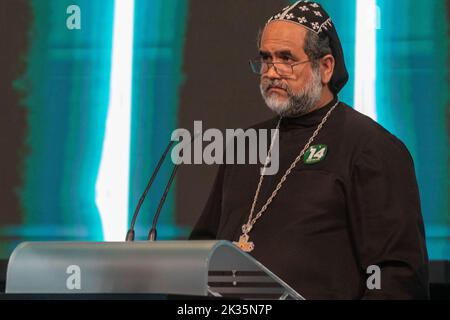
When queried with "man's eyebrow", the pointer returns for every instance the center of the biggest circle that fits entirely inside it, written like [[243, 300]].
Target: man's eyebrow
[[279, 53], [285, 53]]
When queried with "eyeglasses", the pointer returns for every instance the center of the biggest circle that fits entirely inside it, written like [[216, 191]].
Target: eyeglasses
[[283, 69]]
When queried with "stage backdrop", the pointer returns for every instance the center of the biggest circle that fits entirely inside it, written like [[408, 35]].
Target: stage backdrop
[[91, 90]]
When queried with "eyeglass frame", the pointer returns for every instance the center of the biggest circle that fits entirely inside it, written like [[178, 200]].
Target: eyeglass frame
[[270, 64]]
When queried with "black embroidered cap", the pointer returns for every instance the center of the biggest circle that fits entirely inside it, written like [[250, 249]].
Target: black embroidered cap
[[313, 17]]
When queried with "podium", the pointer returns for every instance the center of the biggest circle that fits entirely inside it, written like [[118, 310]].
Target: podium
[[194, 268]]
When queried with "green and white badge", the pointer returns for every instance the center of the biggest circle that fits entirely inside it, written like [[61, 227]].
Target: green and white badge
[[315, 153]]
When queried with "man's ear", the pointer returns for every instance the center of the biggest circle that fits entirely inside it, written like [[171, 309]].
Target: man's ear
[[327, 63]]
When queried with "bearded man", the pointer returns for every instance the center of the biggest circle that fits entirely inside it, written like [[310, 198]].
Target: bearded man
[[345, 201]]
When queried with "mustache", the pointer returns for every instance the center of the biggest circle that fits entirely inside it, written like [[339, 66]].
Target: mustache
[[268, 84]]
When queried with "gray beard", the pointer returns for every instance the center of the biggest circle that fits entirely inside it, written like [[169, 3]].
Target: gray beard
[[297, 104]]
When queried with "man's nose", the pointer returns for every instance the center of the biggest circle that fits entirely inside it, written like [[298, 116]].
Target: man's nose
[[272, 72]]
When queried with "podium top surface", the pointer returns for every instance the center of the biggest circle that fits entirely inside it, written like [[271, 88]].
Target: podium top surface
[[214, 268]]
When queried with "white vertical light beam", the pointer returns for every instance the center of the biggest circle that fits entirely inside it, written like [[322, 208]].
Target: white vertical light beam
[[365, 57], [112, 186]]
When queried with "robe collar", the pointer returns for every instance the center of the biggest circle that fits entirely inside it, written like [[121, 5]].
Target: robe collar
[[307, 120]]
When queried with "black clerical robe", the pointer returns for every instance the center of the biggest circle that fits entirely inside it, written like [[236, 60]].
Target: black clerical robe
[[333, 219]]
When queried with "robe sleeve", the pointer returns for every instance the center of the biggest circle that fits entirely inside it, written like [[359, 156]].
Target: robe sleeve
[[207, 225], [386, 221]]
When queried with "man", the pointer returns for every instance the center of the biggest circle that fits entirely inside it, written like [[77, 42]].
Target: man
[[345, 198]]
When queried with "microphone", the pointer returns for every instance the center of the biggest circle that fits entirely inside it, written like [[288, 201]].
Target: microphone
[[152, 233], [130, 233]]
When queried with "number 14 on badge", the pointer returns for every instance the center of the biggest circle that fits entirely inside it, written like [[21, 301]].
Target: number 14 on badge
[[315, 153]]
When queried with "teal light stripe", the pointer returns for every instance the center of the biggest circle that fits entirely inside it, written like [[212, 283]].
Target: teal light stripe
[[66, 85], [159, 42], [413, 98]]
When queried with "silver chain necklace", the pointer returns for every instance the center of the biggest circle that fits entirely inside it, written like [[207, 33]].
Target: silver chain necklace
[[244, 243]]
